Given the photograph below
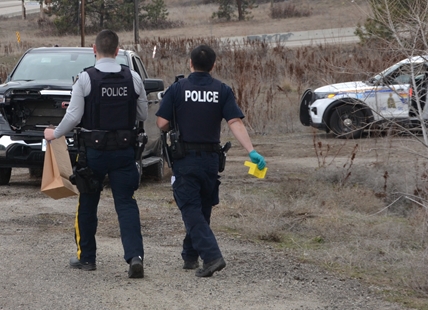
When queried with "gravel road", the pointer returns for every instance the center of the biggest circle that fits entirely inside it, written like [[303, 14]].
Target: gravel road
[[37, 242]]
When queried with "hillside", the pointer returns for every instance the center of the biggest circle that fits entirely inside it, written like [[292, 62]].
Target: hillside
[[195, 20]]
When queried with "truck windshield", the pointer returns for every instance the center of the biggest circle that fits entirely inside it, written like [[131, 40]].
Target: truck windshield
[[55, 65]]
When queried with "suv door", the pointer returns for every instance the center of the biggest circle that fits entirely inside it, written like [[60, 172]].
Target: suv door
[[393, 98]]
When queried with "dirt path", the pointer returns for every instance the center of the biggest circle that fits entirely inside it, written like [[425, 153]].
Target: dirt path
[[37, 241]]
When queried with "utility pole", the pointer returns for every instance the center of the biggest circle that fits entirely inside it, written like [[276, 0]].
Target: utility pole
[[24, 15], [136, 21], [42, 11], [82, 23]]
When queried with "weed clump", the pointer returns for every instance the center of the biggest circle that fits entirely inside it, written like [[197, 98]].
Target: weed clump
[[288, 10]]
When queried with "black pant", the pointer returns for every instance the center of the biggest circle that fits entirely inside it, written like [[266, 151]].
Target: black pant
[[123, 177], [196, 191]]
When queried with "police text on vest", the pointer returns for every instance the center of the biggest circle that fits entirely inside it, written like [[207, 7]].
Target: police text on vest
[[201, 96], [114, 91]]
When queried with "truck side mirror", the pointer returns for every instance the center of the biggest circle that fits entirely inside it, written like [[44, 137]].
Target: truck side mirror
[[153, 85]]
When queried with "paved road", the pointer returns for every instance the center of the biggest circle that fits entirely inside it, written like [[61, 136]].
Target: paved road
[[14, 8]]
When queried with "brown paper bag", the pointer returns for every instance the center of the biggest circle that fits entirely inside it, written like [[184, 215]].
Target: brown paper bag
[[56, 171]]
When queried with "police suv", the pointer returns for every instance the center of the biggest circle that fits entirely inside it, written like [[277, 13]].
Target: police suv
[[36, 95], [347, 109]]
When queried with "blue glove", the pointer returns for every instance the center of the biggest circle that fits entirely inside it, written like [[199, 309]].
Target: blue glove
[[258, 159]]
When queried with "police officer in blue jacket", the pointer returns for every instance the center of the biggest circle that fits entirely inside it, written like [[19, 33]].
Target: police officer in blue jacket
[[106, 101], [201, 103]]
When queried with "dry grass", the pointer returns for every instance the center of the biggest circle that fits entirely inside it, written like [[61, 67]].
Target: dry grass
[[360, 229], [354, 211]]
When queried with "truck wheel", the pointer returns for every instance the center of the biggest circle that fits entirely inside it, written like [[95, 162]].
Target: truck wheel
[[348, 122], [36, 172], [139, 164], [159, 172], [155, 170], [5, 174]]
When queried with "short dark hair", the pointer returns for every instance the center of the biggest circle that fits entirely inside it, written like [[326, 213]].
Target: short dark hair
[[203, 58], [107, 42]]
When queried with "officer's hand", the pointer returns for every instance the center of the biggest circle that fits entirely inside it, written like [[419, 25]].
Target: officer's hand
[[258, 159], [49, 134]]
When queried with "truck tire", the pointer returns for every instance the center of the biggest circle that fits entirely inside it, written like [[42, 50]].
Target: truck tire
[[139, 164], [5, 174], [156, 170], [36, 172], [348, 122]]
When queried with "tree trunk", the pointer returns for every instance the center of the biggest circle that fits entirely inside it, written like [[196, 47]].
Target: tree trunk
[[240, 12], [24, 16]]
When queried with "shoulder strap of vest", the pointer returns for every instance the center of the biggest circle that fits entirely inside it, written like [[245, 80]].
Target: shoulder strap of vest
[[178, 79], [89, 68]]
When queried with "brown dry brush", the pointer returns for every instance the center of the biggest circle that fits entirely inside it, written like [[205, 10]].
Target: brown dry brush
[[3, 74], [347, 167], [267, 81], [264, 79]]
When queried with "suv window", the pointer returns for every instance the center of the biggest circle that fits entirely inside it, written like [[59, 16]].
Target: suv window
[[403, 74]]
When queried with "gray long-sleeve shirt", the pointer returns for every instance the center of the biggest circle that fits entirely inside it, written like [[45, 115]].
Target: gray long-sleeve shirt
[[82, 88]]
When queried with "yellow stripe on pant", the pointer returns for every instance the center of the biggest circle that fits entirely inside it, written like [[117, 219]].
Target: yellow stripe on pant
[[77, 231]]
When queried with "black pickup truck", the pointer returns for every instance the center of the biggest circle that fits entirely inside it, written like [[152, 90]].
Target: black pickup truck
[[36, 95]]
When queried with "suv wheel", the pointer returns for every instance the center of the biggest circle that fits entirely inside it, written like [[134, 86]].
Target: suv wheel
[[5, 174], [348, 121]]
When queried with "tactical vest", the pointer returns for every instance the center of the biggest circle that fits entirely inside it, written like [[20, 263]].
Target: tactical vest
[[199, 114], [112, 102]]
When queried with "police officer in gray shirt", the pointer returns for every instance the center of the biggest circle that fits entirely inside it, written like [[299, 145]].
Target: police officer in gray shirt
[[107, 100]]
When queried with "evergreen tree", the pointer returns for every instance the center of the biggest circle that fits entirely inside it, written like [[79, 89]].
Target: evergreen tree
[[156, 11], [226, 9], [99, 14], [392, 19]]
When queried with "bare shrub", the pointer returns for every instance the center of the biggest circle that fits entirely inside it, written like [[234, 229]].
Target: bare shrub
[[417, 269], [346, 228], [288, 10], [160, 24], [267, 81], [3, 74]]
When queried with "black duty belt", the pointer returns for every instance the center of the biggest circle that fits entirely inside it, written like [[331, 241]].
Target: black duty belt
[[109, 140], [202, 147]]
